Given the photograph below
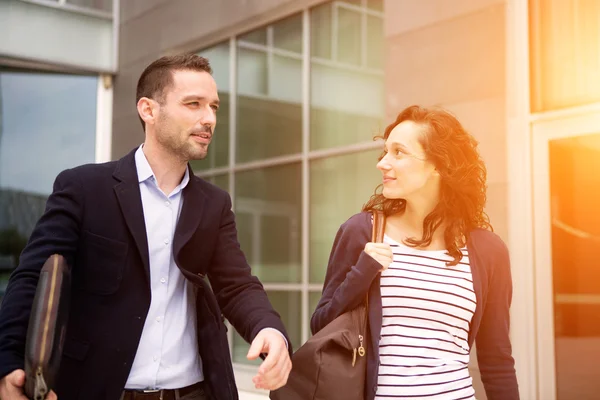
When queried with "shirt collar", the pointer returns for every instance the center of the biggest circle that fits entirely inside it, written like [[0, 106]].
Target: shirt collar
[[144, 171]]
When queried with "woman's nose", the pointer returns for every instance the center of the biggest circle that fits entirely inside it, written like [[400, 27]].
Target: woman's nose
[[383, 165]]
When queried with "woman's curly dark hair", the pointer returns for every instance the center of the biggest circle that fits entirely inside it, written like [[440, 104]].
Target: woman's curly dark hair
[[454, 153]]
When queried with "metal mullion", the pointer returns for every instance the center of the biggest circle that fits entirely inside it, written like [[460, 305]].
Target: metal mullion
[[334, 30], [270, 62], [252, 46], [116, 31], [283, 287], [252, 165], [315, 287], [270, 162], [363, 35], [361, 9], [274, 50], [305, 169], [232, 116], [339, 151], [232, 143], [347, 67], [213, 172]]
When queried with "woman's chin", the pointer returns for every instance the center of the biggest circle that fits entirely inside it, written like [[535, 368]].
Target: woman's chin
[[391, 194]]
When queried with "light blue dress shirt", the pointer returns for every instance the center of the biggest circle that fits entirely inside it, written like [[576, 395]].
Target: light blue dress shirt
[[167, 356]]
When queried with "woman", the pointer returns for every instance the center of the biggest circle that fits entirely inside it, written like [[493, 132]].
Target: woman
[[441, 279]]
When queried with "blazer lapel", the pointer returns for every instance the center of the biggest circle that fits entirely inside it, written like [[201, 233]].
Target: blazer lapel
[[191, 213], [130, 201]]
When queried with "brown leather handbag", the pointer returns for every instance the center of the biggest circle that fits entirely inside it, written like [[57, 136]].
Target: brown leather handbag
[[47, 326], [332, 365]]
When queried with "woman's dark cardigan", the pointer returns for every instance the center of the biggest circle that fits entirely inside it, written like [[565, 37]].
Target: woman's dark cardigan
[[351, 273]]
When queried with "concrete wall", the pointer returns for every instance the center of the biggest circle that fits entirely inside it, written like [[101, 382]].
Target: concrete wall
[[452, 54]]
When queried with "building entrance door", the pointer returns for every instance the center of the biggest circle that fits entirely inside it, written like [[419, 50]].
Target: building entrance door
[[566, 187]]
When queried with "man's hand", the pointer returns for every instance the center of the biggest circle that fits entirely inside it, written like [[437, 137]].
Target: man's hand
[[273, 372], [11, 387]]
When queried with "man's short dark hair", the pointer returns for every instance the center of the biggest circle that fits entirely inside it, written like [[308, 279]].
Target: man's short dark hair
[[158, 76]]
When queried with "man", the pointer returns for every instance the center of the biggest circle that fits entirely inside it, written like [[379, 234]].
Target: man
[[141, 234]]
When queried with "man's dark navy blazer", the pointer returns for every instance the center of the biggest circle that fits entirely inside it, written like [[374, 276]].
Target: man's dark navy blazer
[[94, 217]]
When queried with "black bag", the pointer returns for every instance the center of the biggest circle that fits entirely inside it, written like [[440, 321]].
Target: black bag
[[47, 326], [332, 365]]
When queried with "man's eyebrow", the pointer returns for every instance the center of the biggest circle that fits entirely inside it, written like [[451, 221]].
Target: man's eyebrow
[[197, 97]]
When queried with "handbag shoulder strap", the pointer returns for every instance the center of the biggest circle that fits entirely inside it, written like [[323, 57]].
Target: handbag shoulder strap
[[376, 237], [378, 226]]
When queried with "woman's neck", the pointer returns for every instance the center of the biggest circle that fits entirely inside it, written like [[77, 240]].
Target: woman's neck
[[409, 224]]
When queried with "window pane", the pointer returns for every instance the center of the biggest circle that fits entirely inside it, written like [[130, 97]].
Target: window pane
[[575, 235], [258, 36], [346, 106], [288, 305], [320, 31], [221, 181], [252, 73], [286, 82], [49, 120], [349, 37], [268, 207], [339, 186], [374, 42], [287, 34], [218, 150], [102, 5], [269, 118], [313, 300]]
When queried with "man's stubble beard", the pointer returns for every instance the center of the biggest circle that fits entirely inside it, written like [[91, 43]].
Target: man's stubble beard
[[201, 154], [170, 139]]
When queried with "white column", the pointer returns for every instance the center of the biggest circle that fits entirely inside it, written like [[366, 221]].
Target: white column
[[520, 197], [104, 108]]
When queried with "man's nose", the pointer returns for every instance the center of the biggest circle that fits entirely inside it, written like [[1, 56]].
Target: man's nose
[[209, 117]]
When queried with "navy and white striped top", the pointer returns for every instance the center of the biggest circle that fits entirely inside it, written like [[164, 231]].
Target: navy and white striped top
[[427, 311]]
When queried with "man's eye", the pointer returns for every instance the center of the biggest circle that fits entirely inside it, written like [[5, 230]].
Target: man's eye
[[194, 103], [216, 108]]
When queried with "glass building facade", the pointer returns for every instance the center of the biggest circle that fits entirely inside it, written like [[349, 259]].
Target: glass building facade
[[301, 100]]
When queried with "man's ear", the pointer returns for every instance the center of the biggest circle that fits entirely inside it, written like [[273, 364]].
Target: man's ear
[[147, 110]]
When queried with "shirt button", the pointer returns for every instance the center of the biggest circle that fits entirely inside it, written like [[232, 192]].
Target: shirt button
[[166, 241], [155, 358], [163, 280], [157, 319], [167, 203]]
